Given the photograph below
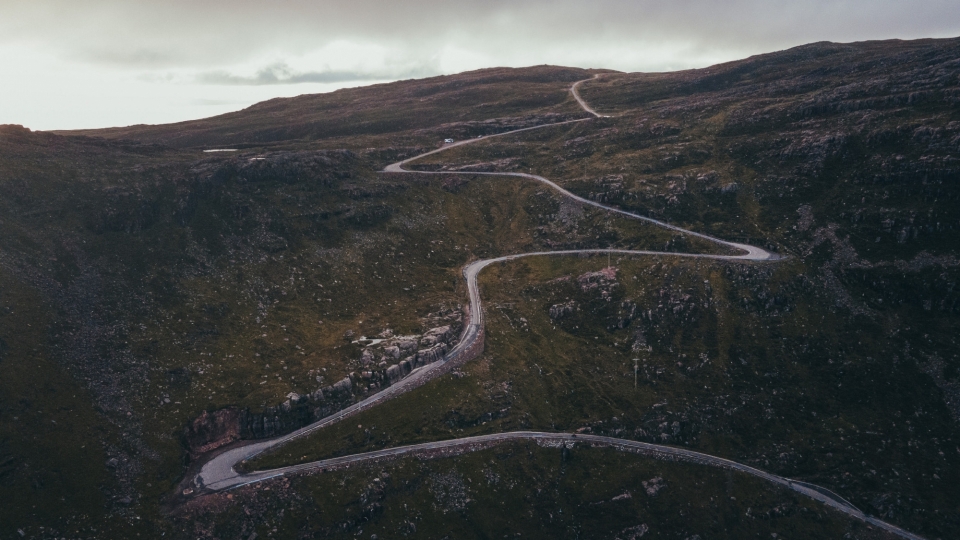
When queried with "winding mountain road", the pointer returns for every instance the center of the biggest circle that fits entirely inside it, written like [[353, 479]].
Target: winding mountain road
[[219, 473], [583, 104]]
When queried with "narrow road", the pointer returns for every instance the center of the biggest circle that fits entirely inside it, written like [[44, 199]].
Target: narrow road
[[219, 473], [583, 104], [655, 451]]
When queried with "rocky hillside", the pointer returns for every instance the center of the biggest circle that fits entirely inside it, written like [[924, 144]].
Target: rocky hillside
[[158, 303], [859, 326]]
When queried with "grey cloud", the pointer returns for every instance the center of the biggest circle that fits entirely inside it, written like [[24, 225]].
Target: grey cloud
[[134, 61], [214, 33], [280, 73]]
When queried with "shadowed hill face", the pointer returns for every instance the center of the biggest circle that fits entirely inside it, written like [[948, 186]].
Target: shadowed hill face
[[377, 109], [144, 286], [878, 67]]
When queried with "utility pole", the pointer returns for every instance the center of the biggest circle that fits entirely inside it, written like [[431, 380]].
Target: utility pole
[[635, 369]]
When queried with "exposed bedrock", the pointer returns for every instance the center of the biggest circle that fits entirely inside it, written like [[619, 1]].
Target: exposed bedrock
[[398, 357], [559, 311], [211, 430]]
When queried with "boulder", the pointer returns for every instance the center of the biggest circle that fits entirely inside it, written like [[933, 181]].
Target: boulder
[[344, 386], [394, 374], [602, 279], [392, 352], [271, 426], [366, 357], [407, 346], [433, 336], [559, 311], [405, 367], [433, 354], [415, 361], [709, 176], [653, 486]]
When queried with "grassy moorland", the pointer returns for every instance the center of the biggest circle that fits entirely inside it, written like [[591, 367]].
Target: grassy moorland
[[519, 490], [735, 360], [857, 329], [463, 105], [145, 283]]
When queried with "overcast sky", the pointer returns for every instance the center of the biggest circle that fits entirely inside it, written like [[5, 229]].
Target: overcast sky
[[97, 63]]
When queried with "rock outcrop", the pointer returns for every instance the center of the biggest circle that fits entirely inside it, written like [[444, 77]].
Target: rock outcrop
[[343, 387], [431, 355], [211, 430], [559, 311], [653, 486], [367, 358], [441, 334], [297, 411], [603, 280], [407, 346]]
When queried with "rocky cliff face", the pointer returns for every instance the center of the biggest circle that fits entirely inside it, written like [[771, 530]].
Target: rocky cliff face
[[211, 430], [559, 311], [384, 363]]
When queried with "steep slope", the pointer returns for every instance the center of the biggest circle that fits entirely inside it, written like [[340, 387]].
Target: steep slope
[[146, 286]]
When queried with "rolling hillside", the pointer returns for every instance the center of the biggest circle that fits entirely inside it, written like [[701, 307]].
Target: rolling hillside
[[159, 304]]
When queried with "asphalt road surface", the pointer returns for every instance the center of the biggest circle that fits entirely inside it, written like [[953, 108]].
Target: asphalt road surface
[[655, 451], [583, 104]]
